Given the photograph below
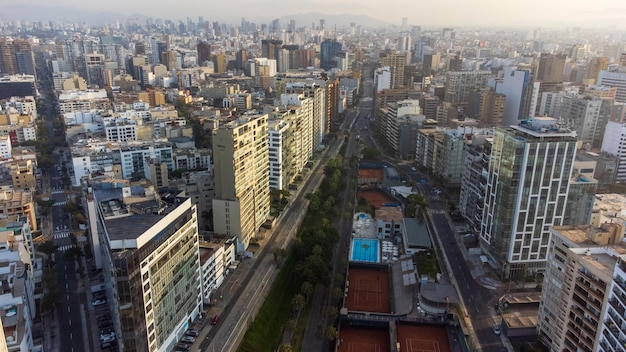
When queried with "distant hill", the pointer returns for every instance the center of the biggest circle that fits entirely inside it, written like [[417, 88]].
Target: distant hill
[[341, 20]]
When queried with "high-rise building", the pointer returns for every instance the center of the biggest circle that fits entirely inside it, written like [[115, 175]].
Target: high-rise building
[[614, 79], [517, 86], [151, 269], [95, 66], [551, 67], [585, 115], [396, 62], [270, 48], [475, 168], [220, 63], [328, 49], [7, 58], [487, 106], [594, 66], [529, 174], [459, 85], [242, 203], [614, 143], [578, 284], [318, 94], [204, 52]]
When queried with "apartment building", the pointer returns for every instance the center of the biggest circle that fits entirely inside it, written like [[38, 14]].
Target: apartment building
[[151, 269], [241, 170], [577, 282]]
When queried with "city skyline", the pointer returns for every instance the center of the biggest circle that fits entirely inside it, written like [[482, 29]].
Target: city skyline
[[484, 13]]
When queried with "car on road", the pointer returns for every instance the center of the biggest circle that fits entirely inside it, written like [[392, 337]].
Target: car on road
[[496, 329], [413, 168], [215, 320], [107, 338], [188, 339], [98, 302]]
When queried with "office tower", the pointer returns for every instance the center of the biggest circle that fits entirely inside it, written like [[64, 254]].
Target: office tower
[[241, 58], [579, 289], [594, 66], [328, 49], [151, 268], [382, 78], [455, 63], [204, 52], [7, 58], [614, 79], [17, 86], [459, 85], [95, 66], [24, 58], [405, 23], [487, 106], [322, 24], [396, 62], [517, 86], [140, 48], [242, 203], [219, 63], [585, 115], [551, 67], [529, 174], [404, 44], [430, 63], [270, 48]]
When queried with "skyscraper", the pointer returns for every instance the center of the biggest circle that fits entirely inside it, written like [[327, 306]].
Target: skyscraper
[[242, 202], [551, 67], [328, 49], [517, 86], [459, 85], [204, 52], [395, 61], [526, 193]]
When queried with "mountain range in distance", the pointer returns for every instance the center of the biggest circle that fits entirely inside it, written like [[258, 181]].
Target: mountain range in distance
[[46, 13]]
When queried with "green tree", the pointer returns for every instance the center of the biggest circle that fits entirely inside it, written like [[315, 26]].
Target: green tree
[[285, 347], [48, 247], [297, 302], [306, 290], [370, 153], [332, 333]]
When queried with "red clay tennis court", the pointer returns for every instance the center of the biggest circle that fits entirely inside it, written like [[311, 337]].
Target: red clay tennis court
[[361, 339], [422, 338], [374, 197], [368, 290]]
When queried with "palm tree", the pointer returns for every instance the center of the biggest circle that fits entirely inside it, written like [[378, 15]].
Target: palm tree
[[297, 302], [285, 347], [306, 289], [331, 333]]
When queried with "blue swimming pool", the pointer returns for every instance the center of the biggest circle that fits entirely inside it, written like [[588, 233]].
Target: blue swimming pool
[[362, 216], [365, 250]]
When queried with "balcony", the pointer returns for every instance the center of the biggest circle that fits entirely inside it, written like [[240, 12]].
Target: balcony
[[617, 307], [620, 282], [620, 296]]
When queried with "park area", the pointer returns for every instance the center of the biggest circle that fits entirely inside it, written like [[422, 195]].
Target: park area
[[368, 290]]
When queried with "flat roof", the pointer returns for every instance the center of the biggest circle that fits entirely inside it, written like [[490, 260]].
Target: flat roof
[[131, 227], [416, 233], [436, 292]]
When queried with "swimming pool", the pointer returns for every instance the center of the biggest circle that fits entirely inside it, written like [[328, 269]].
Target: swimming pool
[[363, 216], [365, 250]]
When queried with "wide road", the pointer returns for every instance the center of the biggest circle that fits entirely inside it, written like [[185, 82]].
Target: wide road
[[68, 315], [240, 312]]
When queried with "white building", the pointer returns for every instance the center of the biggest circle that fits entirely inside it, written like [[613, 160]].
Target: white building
[[5, 147], [382, 78], [614, 79], [120, 129], [216, 260], [278, 132], [614, 143]]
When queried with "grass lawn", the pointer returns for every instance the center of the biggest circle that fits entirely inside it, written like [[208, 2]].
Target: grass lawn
[[298, 334], [266, 331]]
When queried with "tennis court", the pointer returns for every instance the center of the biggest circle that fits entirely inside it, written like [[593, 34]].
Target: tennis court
[[423, 338], [368, 290]]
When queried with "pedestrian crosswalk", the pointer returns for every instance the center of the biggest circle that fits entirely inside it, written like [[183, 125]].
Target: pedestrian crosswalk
[[65, 247], [61, 235], [60, 203]]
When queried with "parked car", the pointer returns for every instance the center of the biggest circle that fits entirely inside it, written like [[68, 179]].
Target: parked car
[[98, 302], [107, 338], [192, 332], [496, 329], [182, 346], [188, 339]]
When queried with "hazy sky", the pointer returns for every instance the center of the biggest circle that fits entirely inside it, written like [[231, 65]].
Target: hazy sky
[[545, 13]]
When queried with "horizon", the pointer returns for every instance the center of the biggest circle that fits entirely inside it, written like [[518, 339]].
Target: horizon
[[485, 14]]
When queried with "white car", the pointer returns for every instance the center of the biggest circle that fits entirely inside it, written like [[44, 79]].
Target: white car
[[496, 329]]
